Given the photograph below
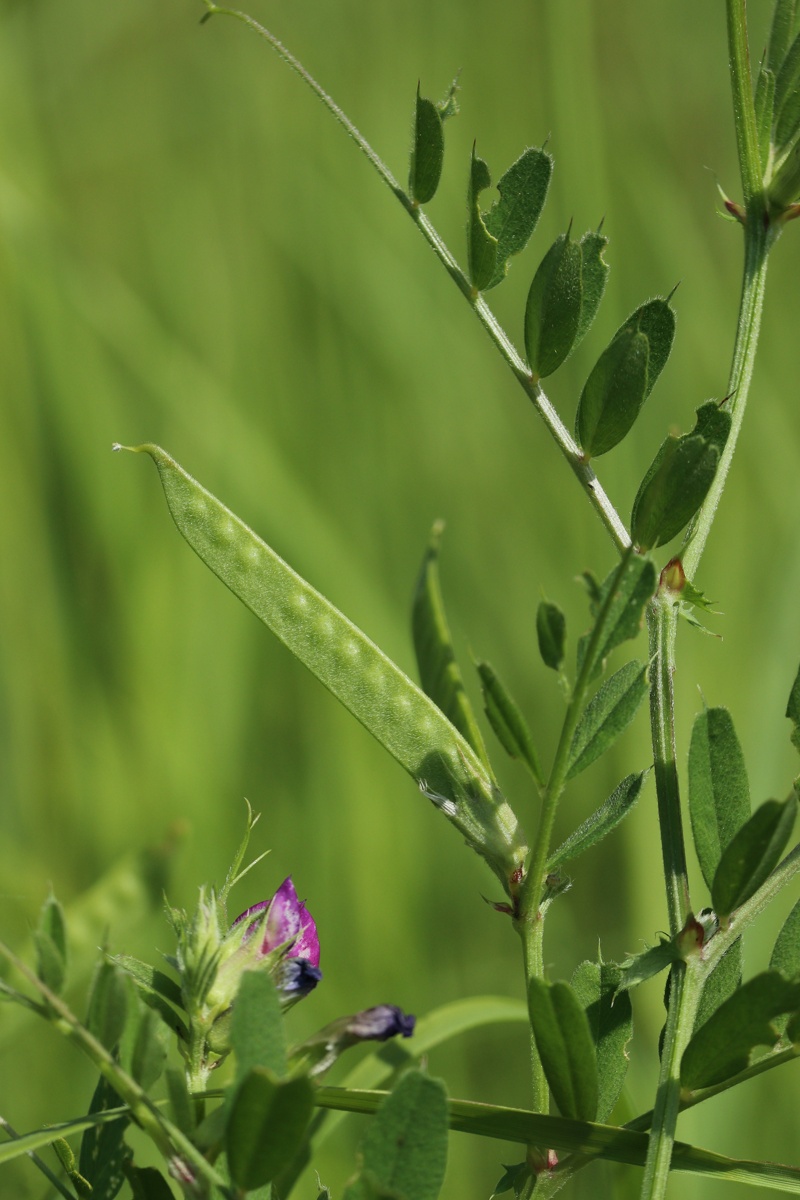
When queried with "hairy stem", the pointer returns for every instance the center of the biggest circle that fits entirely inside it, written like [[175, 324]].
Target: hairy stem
[[686, 985], [759, 236]]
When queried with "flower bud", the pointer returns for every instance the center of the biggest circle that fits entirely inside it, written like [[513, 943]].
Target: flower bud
[[378, 1024]]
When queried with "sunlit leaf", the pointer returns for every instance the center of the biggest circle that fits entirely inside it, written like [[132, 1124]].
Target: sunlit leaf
[[601, 822], [752, 854], [607, 715], [721, 1047], [721, 983], [513, 218]]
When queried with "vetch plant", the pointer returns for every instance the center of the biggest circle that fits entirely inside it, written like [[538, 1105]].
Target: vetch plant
[[223, 1005]]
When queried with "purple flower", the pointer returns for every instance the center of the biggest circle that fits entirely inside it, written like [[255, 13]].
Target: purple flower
[[287, 920], [380, 1023]]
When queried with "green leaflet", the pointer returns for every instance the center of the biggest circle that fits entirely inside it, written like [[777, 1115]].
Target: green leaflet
[[427, 148], [787, 77], [395, 711], [594, 274], [257, 1031], [481, 245], [601, 822], [610, 1017], [650, 962], [609, 712], [551, 633], [566, 1048], [793, 711], [427, 151], [50, 939], [786, 951], [266, 1123], [493, 237], [623, 377], [623, 619], [104, 1155], [783, 19], [752, 854], [719, 794], [678, 479], [721, 983], [405, 1147], [439, 673], [563, 300], [109, 1003], [147, 1183], [553, 308], [764, 104], [182, 1109], [506, 719], [143, 1045], [721, 1047]]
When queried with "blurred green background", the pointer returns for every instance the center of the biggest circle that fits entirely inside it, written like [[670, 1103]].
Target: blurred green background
[[191, 252]]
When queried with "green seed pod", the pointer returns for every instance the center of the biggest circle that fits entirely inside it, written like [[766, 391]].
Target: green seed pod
[[395, 711]]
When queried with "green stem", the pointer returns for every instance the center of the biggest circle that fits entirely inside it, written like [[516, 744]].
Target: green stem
[[758, 241], [519, 368], [531, 889], [686, 985], [532, 934], [759, 236], [529, 919], [662, 619]]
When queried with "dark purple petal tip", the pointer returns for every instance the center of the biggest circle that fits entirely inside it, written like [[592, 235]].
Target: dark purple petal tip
[[295, 978], [380, 1023]]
